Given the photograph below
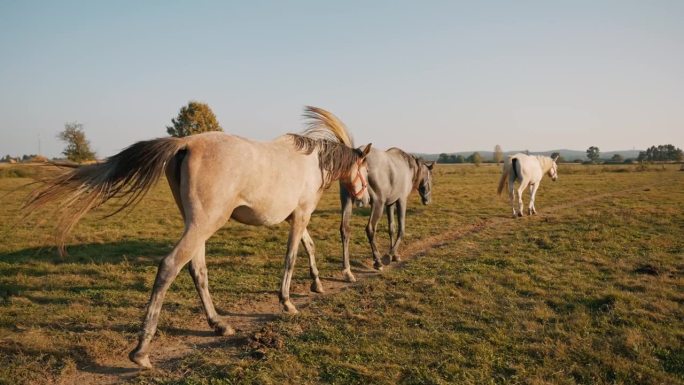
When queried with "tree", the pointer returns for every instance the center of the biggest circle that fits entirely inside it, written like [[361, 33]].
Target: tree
[[593, 154], [498, 154], [193, 119], [666, 152], [443, 158], [475, 158], [78, 147], [617, 158], [459, 159]]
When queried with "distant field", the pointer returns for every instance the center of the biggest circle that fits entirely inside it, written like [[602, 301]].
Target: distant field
[[590, 291]]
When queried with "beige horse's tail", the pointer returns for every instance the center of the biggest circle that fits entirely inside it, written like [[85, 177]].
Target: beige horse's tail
[[503, 181], [129, 174]]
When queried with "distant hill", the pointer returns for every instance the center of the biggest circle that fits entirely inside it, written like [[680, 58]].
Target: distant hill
[[568, 155]]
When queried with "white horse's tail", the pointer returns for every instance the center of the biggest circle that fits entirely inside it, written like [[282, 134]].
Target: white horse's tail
[[503, 181]]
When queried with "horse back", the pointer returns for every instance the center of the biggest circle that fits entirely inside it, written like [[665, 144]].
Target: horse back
[[389, 174], [264, 181]]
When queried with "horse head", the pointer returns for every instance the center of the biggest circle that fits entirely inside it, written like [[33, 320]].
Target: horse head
[[553, 171], [356, 180], [425, 181]]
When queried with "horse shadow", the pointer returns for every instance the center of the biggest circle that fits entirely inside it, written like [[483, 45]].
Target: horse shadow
[[135, 251]]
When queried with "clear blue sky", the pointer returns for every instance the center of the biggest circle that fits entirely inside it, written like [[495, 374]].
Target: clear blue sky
[[426, 76]]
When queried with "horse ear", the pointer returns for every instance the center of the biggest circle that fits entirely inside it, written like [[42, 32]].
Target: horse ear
[[555, 158], [366, 150], [430, 165]]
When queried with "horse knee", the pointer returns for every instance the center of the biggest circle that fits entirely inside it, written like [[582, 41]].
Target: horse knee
[[370, 231], [344, 230]]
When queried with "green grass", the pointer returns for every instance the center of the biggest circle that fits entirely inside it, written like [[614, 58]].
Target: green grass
[[587, 293]]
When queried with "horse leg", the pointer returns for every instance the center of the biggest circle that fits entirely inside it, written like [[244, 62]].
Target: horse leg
[[511, 197], [298, 224], [308, 243], [198, 271], [392, 228], [533, 194], [376, 213], [345, 230], [198, 265], [187, 247], [402, 220], [521, 189]]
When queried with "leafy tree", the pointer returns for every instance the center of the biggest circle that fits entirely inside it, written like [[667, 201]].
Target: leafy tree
[[443, 158], [617, 158], [193, 119], [459, 159], [498, 154], [593, 154], [475, 158], [78, 147], [661, 153]]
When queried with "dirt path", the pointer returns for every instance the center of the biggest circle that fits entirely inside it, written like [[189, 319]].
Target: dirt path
[[168, 349]]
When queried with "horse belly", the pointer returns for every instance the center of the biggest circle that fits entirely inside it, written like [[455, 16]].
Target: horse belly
[[250, 216]]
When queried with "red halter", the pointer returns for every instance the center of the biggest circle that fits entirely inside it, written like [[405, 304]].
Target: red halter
[[350, 186]]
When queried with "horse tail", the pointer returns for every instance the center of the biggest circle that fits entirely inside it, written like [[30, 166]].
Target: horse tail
[[129, 174], [326, 125], [515, 164], [503, 181]]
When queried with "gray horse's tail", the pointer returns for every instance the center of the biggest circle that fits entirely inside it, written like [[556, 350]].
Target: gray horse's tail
[[129, 174]]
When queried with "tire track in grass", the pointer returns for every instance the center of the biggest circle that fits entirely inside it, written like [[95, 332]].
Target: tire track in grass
[[170, 347]]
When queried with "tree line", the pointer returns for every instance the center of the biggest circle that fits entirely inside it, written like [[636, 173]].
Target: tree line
[[660, 153], [196, 117]]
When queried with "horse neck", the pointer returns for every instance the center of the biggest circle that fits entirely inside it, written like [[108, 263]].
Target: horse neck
[[545, 162], [415, 168], [335, 160]]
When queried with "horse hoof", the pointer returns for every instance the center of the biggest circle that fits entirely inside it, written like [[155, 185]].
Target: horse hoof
[[316, 286], [223, 329], [140, 359], [377, 266], [289, 308], [396, 258], [520, 214], [349, 276]]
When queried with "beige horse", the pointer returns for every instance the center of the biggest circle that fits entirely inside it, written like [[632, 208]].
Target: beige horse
[[529, 171], [215, 177]]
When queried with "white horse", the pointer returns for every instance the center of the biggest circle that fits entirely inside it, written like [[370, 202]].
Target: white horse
[[215, 177], [527, 170]]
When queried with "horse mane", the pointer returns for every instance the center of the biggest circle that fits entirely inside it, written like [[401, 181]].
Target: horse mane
[[324, 125], [326, 134], [413, 163], [545, 162]]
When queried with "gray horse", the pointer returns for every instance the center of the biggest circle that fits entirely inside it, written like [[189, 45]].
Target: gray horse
[[392, 176]]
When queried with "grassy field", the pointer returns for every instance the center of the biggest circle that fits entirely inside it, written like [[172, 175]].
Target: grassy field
[[591, 291]]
